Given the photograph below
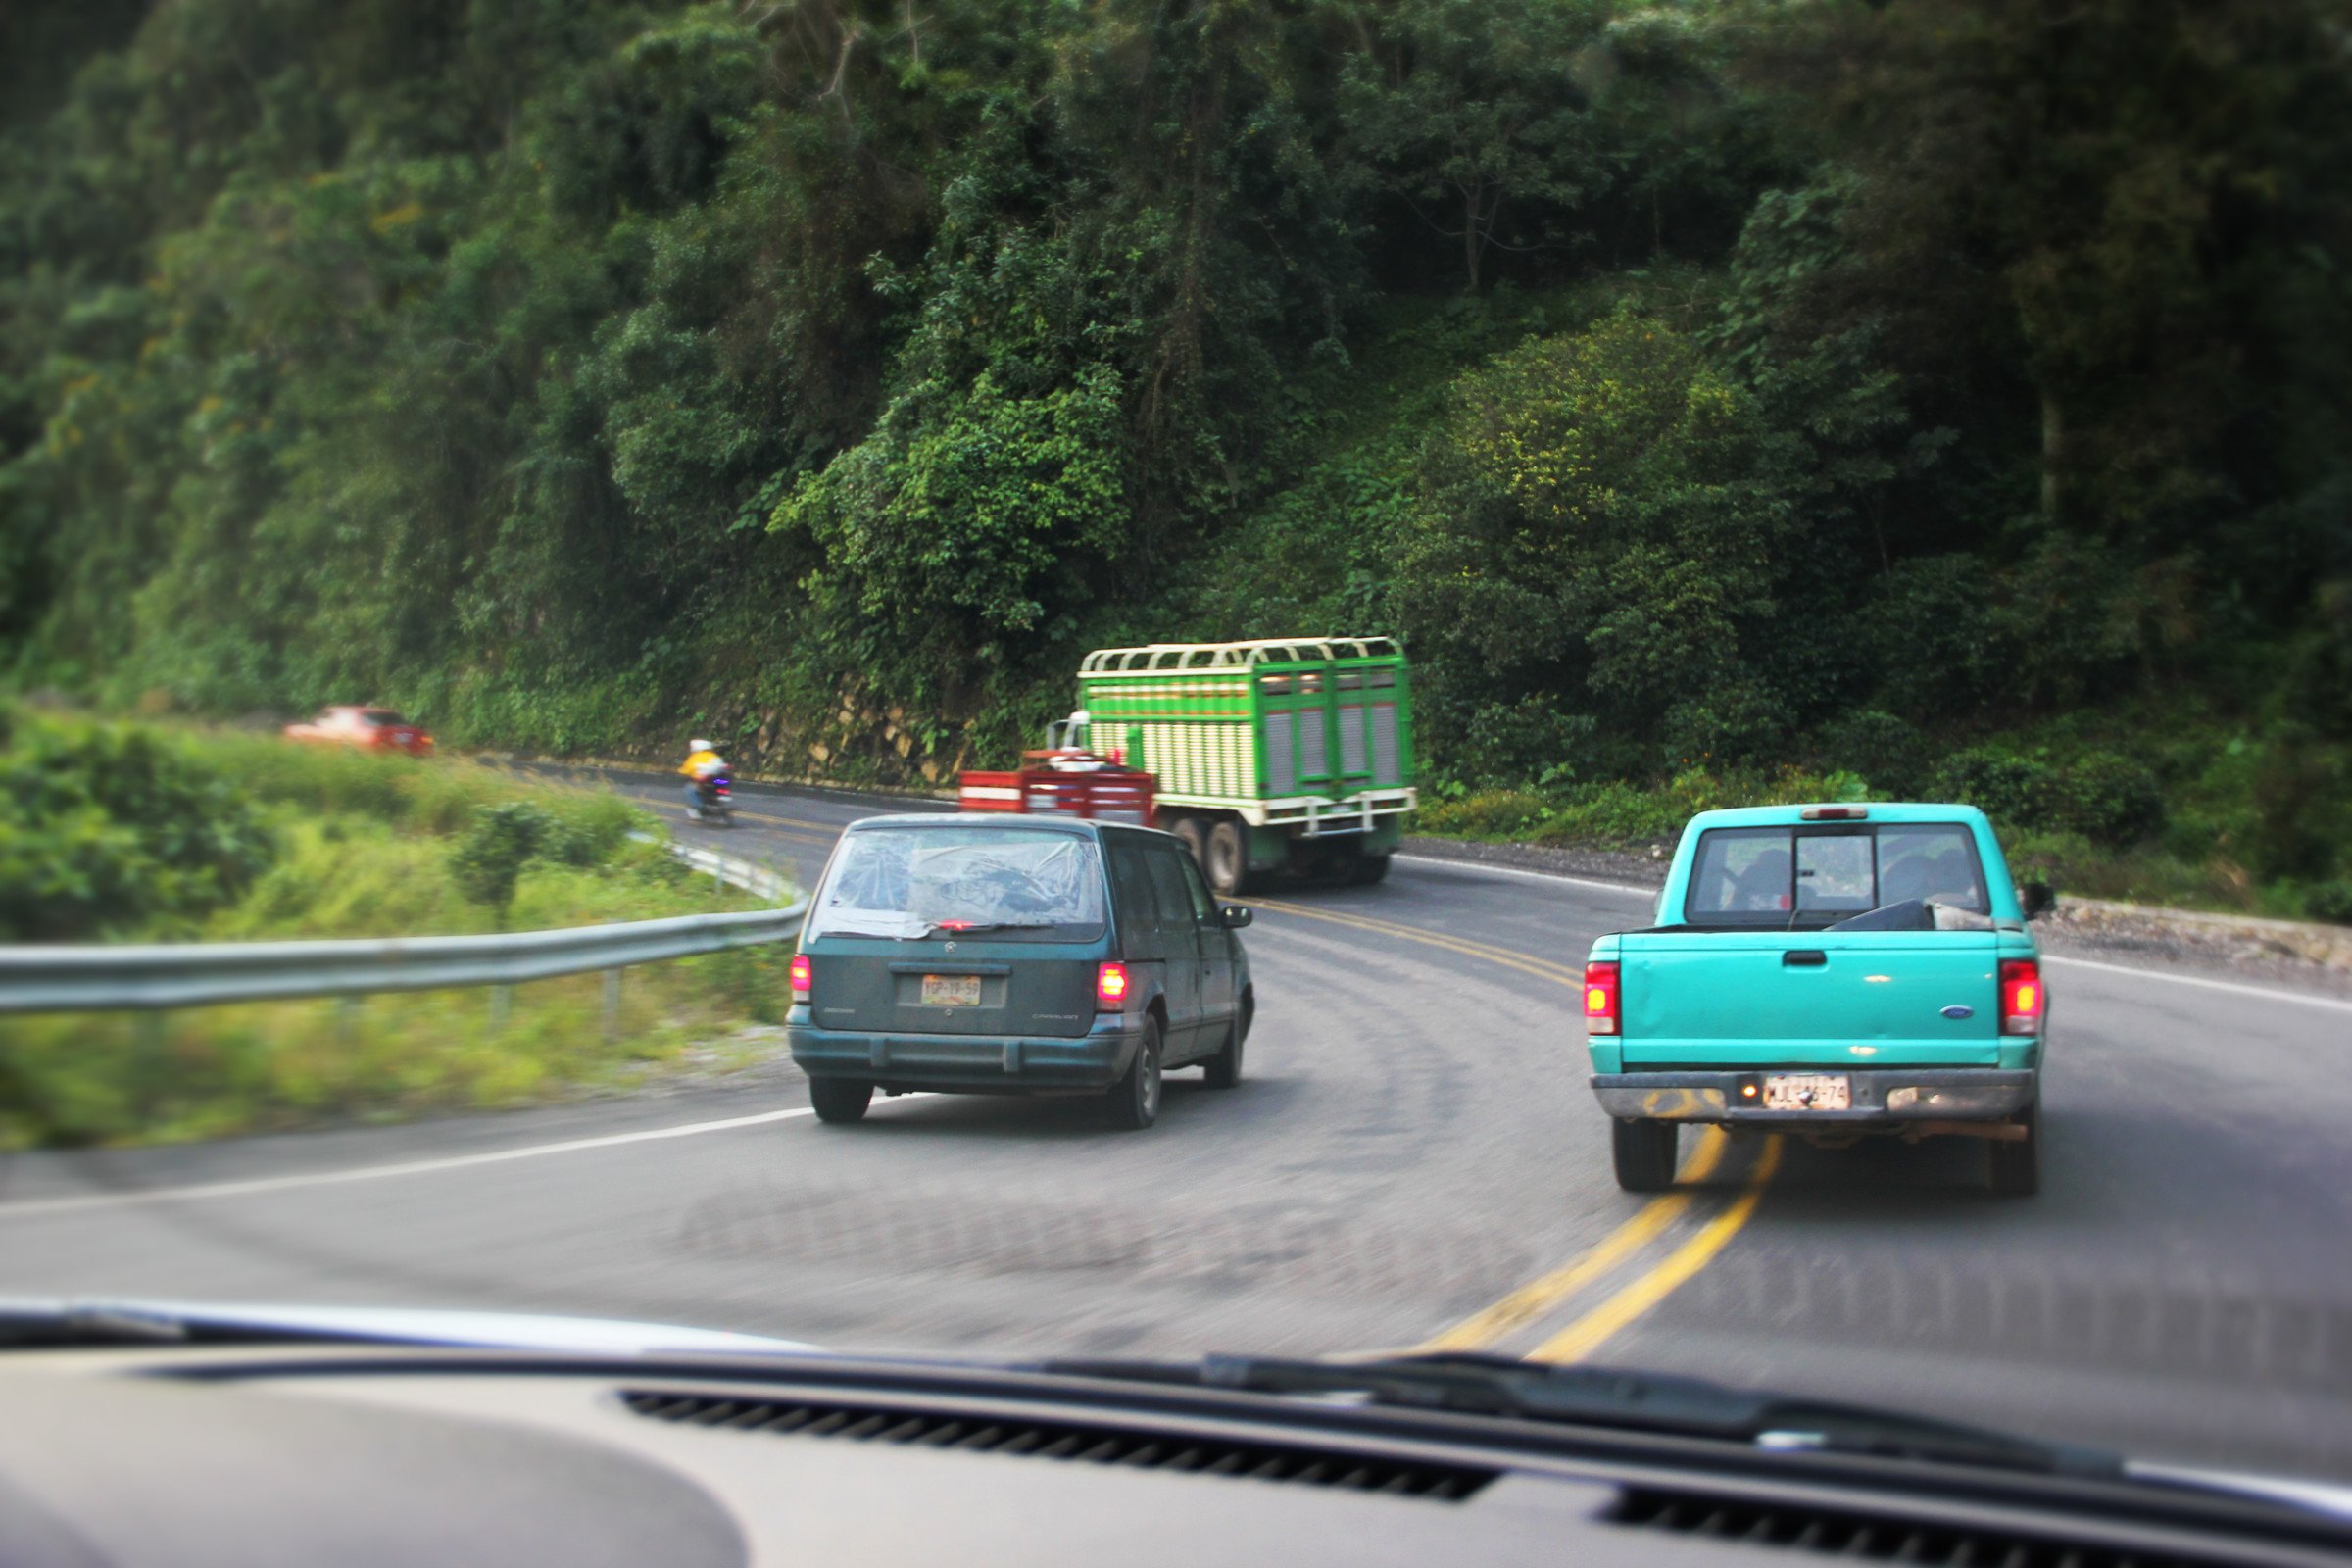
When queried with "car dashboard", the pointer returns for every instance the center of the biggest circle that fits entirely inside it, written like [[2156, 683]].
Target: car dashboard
[[330, 1455]]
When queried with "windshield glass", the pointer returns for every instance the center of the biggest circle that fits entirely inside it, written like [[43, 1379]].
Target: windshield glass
[[908, 883], [1218, 550]]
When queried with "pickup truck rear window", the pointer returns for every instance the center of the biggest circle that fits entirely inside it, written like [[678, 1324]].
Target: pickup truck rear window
[[1792, 876]]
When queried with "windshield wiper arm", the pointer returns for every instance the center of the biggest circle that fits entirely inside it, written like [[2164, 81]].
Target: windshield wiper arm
[[1604, 1396]]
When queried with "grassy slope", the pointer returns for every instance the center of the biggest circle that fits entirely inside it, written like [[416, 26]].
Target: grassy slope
[[364, 851]]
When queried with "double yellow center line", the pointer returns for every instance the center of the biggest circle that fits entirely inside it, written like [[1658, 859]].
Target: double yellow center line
[[1531, 1301]]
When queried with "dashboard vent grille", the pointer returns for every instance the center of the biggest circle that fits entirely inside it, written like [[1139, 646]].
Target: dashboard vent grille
[[1869, 1537], [1056, 1439]]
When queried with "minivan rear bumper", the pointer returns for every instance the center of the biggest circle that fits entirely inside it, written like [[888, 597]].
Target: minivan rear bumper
[[1946, 1094], [1096, 1059]]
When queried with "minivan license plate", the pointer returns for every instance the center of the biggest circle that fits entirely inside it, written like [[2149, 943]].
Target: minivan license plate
[[1806, 1091], [951, 990]]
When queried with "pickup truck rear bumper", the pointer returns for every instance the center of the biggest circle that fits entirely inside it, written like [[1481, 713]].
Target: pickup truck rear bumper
[[1874, 1096]]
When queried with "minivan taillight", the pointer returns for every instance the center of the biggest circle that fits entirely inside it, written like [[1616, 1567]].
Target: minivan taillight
[[800, 977], [1110, 987], [2023, 1000], [1600, 998]]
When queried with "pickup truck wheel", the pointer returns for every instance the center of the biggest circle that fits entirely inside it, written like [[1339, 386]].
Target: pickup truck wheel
[[839, 1100], [1134, 1101], [1228, 861], [1188, 833], [2013, 1169], [1644, 1152]]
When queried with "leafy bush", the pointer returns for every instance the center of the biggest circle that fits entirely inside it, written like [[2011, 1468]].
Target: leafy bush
[[106, 827], [1886, 750], [2105, 798], [1488, 813], [489, 860], [2109, 799], [2330, 900], [1530, 740]]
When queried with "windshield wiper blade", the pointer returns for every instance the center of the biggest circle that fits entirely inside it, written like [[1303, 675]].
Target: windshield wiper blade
[[37, 1327], [1604, 1396]]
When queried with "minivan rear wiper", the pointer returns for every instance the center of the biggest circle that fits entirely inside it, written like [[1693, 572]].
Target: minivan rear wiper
[[1604, 1396]]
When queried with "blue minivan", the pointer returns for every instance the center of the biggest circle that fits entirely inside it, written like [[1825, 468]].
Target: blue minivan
[[985, 953]]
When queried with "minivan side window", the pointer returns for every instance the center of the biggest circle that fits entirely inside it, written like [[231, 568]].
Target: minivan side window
[[1138, 900], [1167, 877], [1204, 907]]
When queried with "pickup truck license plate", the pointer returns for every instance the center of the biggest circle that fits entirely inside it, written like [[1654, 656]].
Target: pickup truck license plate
[[963, 991], [1806, 1091]]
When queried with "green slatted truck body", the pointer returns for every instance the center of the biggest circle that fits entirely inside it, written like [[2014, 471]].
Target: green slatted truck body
[[1292, 751]]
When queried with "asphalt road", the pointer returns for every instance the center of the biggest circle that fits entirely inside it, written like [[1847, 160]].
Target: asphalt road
[[1412, 1158]]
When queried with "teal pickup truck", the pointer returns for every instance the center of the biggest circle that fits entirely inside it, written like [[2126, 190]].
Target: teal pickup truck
[[1833, 971]]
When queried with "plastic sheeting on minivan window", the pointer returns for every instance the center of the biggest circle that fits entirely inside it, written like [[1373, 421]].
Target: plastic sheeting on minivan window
[[903, 883]]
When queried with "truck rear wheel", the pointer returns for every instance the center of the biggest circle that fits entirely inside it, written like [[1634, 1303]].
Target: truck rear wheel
[[2013, 1169], [1228, 860], [1367, 869], [1188, 833], [1643, 1151]]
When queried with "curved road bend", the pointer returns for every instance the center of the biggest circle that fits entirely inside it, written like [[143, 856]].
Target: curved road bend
[[1411, 1159]]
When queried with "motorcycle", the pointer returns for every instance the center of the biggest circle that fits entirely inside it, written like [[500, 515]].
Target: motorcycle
[[711, 800]]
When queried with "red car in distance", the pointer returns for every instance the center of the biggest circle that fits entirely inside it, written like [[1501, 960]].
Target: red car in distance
[[376, 728]]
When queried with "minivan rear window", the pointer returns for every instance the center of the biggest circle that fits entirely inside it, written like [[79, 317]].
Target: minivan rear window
[[1811, 877], [1010, 883]]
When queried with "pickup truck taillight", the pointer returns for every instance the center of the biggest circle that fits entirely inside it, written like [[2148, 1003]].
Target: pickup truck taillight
[[800, 977], [2022, 997], [1600, 998]]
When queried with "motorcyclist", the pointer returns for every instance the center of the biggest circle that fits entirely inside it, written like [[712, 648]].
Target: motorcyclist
[[702, 765]]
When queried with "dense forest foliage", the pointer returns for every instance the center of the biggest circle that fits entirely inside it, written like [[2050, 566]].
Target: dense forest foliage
[[1700, 386]]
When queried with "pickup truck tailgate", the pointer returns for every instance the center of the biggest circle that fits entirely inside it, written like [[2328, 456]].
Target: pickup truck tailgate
[[1760, 998]]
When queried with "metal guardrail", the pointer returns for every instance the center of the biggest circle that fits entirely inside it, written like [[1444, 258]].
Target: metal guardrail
[[155, 977]]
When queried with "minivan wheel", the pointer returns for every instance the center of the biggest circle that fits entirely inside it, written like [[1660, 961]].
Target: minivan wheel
[[1643, 1151], [1135, 1099], [2013, 1169], [839, 1100], [1224, 1069], [1228, 863]]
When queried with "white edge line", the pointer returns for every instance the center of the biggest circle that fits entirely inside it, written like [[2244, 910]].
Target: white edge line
[[370, 1173], [1491, 869], [2269, 993]]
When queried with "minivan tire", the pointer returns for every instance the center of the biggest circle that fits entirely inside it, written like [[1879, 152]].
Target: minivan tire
[[1644, 1152], [1134, 1101], [839, 1100], [1228, 861], [1224, 1069], [2013, 1169]]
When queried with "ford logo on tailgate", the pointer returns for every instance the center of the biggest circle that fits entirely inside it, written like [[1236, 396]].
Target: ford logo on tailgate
[[1959, 1010]]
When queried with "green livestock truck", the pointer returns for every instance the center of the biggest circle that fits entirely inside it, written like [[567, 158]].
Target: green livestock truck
[[1292, 751]]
